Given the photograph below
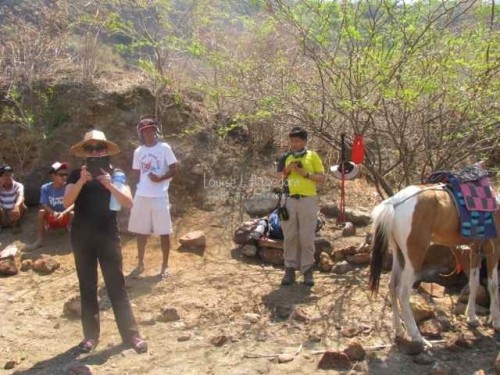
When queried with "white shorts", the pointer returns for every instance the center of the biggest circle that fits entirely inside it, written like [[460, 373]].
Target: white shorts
[[150, 216]]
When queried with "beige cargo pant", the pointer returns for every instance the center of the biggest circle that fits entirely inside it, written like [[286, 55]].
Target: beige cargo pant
[[299, 232]]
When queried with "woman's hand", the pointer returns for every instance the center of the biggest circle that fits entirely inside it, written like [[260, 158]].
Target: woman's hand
[[105, 179], [85, 175]]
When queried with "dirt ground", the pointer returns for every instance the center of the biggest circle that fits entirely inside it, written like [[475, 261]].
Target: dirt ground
[[221, 298]]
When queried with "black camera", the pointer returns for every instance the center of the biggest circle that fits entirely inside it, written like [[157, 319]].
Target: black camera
[[95, 165]]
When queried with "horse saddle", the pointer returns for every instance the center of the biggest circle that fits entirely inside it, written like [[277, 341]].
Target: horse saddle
[[474, 199]]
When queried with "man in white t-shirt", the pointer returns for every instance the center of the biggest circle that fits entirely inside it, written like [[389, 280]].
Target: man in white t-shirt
[[156, 163]]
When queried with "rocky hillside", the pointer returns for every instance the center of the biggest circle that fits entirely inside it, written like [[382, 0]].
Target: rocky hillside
[[57, 115]]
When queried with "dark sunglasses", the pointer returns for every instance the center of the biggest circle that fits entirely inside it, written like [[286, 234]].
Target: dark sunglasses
[[99, 147], [62, 174]]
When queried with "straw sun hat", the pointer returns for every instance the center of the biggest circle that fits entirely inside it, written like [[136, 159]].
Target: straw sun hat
[[94, 135]]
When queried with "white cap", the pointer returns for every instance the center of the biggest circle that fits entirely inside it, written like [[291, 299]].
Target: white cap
[[347, 176]]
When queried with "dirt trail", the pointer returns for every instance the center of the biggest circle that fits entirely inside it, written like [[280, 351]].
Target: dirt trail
[[219, 295]]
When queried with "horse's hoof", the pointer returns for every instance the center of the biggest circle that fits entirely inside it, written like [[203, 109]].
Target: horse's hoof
[[473, 324], [427, 344], [409, 347], [497, 334]]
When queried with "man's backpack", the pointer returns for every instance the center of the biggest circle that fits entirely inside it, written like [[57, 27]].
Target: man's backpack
[[274, 230]]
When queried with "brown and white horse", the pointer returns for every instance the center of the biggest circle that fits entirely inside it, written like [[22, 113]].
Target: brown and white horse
[[408, 223]]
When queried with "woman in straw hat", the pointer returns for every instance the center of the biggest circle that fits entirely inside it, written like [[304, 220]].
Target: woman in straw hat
[[95, 239]]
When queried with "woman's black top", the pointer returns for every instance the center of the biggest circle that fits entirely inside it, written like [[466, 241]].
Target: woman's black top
[[92, 211]]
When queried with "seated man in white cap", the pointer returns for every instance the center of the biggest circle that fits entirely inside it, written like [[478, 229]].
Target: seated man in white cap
[[53, 214]]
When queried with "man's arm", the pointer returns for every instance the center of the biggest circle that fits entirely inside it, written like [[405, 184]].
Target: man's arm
[[172, 171], [318, 176], [20, 196]]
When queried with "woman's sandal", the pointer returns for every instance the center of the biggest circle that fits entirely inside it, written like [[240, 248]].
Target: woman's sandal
[[139, 345], [87, 345]]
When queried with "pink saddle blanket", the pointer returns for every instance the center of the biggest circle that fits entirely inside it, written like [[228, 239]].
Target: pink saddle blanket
[[478, 195]]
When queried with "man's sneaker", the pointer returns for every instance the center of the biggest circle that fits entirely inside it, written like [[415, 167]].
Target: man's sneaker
[[289, 277], [34, 245], [164, 273], [139, 344], [137, 271], [308, 277], [87, 345]]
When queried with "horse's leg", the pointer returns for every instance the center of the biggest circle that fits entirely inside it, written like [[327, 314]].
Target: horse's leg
[[492, 265], [475, 265], [394, 285], [407, 279]]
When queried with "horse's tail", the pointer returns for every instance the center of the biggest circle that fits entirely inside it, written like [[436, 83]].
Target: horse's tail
[[383, 219]]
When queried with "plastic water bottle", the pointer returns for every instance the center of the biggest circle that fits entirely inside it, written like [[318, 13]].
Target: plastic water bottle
[[259, 230], [118, 180]]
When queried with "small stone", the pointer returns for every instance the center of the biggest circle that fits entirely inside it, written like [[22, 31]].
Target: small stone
[[45, 265], [348, 230], [8, 267], [251, 317], [271, 255], [249, 250], [168, 314], [325, 262], [26, 265], [72, 307], [284, 358], [342, 267], [423, 359], [334, 360], [430, 329], [350, 331], [185, 337], [128, 353], [355, 352], [421, 310], [283, 311], [195, 239], [300, 316], [9, 365], [440, 369], [218, 340], [358, 259], [338, 256]]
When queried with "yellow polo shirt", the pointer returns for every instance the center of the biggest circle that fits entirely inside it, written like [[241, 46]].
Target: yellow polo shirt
[[297, 184]]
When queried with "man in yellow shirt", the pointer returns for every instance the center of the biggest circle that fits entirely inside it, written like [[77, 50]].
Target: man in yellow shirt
[[303, 171]]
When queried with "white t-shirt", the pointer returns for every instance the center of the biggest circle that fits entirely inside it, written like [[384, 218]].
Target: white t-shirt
[[154, 159]]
